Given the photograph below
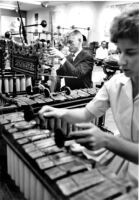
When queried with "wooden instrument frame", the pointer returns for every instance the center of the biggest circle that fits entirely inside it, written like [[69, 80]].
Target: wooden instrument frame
[[2, 61]]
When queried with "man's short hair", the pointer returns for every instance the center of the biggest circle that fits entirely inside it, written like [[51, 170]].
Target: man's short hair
[[77, 33]]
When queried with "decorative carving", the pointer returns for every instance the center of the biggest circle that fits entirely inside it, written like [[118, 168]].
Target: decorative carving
[[2, 53]]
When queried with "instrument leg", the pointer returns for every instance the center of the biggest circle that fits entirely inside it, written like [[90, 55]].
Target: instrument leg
[[11, 85], [23, 84], [6, 84], [17, 84]]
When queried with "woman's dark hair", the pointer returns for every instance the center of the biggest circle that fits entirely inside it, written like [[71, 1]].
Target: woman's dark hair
[[126, 26]]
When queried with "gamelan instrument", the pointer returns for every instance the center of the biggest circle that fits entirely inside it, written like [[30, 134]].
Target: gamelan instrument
[[25, 60], [66, 98], [14, 80], [43, 171]]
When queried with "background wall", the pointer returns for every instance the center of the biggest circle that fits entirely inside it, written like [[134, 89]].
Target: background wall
[[43, 14], [97, 15], [80, 14], [94, 14], [7, 24]]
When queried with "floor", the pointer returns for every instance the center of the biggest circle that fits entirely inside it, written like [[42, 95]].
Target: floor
[[97, 78]]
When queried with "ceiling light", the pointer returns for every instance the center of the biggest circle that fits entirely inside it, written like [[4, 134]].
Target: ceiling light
[[7, 6], [44, 4], [29, 2]]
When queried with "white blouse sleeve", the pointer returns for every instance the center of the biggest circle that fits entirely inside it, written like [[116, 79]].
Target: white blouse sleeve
[[100, 103]]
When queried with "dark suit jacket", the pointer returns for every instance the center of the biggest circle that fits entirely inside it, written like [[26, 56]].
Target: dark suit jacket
[[81, 68]]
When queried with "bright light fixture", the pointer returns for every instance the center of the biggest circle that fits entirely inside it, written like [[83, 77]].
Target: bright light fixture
[[7, 6], [29, 2]]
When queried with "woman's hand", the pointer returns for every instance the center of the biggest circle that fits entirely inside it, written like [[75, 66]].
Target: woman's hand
[[91, 136], [49, 111]]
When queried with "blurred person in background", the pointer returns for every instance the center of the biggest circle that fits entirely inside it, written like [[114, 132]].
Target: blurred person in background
[[101, 53]]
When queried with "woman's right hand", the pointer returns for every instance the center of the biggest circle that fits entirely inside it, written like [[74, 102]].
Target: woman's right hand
[[49, 111]]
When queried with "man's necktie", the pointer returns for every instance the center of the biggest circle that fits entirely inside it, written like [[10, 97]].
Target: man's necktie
[[72, 57]]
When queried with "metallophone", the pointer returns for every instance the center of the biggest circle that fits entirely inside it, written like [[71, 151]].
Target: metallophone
[[41, 169], [11, 81], [25, 63], [44, 171]]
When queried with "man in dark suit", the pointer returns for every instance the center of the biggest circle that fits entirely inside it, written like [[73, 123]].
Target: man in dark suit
[[78, 65]]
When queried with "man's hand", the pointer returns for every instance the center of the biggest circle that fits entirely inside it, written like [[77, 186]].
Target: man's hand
[[56, 53]]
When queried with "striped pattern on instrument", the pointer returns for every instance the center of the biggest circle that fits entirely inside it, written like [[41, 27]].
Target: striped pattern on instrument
[[21, 82]]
